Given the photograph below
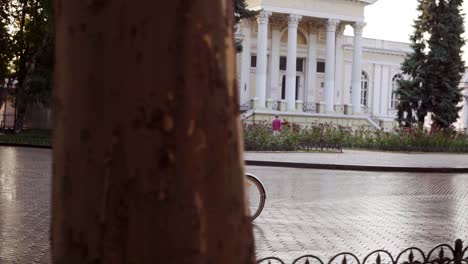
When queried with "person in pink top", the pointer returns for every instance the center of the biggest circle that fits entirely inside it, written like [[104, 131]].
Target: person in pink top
[[276, 124]]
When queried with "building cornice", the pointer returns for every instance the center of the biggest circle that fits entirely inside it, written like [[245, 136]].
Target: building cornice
[[380, 51], [307, 13]]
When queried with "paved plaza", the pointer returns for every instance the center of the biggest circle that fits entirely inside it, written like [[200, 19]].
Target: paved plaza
[[307, 211], [366, 158], [328, 212]]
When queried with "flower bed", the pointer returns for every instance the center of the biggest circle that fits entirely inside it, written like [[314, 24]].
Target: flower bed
[[259, 137]]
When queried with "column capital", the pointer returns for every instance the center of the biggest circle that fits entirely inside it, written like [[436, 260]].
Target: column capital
[[293, 20], [263, 17], [358, 27], [332, 24]]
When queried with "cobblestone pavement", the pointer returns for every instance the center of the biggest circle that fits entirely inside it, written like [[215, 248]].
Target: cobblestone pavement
[[366, 158], [307, 211], [328, 212], [24, 205]]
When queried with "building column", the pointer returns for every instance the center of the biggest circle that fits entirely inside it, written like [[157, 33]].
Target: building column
[[377, 89], [245, 67], [291, 70], [262, 52], [312, 65], [339, 65], [357, 67], [275, 91], [384, 94], [465, 110], [330, 65]]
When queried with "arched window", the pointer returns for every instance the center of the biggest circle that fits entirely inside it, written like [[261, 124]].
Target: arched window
[[364, 88], [395, 86]]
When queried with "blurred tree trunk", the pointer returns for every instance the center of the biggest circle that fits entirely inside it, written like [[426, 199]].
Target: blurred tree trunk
[[148, 164]]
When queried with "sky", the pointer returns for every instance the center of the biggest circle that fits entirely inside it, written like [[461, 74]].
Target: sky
[[393, 20]]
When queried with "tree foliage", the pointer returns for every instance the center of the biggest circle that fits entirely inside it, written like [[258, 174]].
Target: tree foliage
[[435, 67], [240, 12], [29, 47]]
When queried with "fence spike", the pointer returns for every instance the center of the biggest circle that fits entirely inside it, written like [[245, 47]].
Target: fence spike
[[458, 253], [411, 257], [441, 254]]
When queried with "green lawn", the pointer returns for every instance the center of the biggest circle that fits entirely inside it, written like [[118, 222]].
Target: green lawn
[[42, 138]]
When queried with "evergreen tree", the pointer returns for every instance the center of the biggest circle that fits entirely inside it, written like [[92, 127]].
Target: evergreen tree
[[444, 62], [435, 67], [241, 12], [412, 95]]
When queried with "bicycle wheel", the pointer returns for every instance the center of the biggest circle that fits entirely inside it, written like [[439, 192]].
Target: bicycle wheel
[[256, 195]]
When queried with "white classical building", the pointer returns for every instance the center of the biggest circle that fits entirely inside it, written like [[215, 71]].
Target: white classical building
[[297, 62]]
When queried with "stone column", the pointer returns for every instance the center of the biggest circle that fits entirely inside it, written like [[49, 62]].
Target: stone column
[[339, 96], [357, 67], [330, 65], [245, 67], [377, 89], [384, 94], [262, 49], [465, 110], [293, 22], [275, 91], [312, 64]]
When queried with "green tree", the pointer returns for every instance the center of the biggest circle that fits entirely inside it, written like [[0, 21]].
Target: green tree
[[412, 94], [33, 55], [445, 65], [5, 42], [435, 67], [240, 12], [26, 52]]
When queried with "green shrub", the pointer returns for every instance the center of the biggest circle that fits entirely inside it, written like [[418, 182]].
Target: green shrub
[[259, 137]]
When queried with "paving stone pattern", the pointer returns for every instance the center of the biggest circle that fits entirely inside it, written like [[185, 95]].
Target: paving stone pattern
[[328, 212], [24, 205], [307, 211], [367, 158]]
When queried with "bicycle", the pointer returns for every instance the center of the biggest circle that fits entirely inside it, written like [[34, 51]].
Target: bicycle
[[256, 195]]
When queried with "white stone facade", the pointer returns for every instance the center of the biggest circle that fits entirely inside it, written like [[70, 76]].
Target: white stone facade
[[296, 58]]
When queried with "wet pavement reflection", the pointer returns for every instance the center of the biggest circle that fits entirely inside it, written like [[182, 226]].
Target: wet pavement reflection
[[307, 211], [327, 212], [24, 205]]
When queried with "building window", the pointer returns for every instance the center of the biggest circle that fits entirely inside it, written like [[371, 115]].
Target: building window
[[299, 64], [253, 61], [283, 63], [364, 88], [395, 87], [320, 66]]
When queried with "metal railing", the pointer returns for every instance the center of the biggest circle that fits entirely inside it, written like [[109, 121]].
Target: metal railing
[[441, 254], [320, 145]]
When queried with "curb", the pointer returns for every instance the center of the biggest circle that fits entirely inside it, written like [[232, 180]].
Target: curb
[[24, 146], [298, 165]]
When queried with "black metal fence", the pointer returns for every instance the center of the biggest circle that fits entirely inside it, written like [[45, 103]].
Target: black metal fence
[[441, 254], [320, 145]]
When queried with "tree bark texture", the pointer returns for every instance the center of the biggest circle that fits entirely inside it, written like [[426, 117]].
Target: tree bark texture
[[148, 164]]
